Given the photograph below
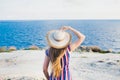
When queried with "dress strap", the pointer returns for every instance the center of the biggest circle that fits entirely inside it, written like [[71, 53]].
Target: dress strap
[[69, 48]]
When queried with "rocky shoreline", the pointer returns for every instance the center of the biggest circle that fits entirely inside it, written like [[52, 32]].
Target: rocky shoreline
[[79, 49], [93, 49]]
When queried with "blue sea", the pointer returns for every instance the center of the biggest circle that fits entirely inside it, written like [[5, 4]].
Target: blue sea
[[22, 34]]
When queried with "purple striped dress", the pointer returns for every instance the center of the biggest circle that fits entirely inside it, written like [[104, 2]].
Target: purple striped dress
[[65, 73]]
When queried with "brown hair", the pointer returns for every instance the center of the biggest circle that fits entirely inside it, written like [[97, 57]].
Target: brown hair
[[55, 57]]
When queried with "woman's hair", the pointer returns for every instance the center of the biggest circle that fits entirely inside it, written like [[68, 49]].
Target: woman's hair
[[55, 57]]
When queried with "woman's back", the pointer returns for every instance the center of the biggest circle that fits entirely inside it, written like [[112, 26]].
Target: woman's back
[[65, 73]]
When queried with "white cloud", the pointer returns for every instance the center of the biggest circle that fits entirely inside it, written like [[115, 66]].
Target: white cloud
[[59, 9]]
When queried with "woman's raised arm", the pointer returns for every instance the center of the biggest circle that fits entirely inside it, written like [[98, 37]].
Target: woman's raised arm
[[80, 36]]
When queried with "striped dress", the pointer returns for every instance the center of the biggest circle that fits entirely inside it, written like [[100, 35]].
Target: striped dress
[[65, 73]]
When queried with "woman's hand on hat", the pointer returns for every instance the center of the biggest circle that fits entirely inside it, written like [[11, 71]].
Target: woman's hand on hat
[[65, 28]]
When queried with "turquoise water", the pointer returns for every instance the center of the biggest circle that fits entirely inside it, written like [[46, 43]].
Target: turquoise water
[[22, 34]]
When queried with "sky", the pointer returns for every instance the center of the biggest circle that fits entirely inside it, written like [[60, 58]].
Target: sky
[[59, 9]]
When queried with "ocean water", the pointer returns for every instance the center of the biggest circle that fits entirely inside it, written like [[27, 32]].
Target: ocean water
[[22, 34]]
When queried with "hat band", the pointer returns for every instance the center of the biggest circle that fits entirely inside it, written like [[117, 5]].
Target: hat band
[[56, 39]]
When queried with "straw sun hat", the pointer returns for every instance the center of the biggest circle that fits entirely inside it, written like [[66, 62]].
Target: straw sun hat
[[58, 39]]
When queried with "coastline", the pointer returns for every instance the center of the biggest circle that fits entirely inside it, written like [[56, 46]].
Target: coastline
[[27, 64], [93, 48]]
